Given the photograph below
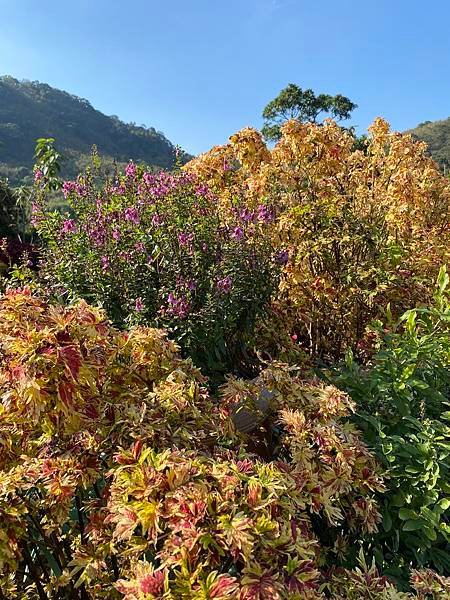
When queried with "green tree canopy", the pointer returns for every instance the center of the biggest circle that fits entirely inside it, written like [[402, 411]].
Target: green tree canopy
[[303, 105]]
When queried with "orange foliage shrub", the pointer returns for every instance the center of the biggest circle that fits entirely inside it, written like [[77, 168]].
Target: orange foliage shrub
[[358, 229]]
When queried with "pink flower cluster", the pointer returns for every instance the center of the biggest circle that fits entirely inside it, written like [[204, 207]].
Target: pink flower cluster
[[130, 170], [37, 214], [72, 186], [157, 185], [157, 220], [105, 263], [132, 214], [237, 233], [224, 285], [176, 307], [69, 226], [185, 239], [263, 214], [68, 187]]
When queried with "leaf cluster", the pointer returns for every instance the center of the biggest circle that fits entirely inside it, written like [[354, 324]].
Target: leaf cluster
[[358, 229], [122, 477], [402, 396]]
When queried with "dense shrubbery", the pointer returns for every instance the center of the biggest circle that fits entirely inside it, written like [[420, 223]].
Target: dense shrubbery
[[154, 249], [402, 398], [121, 474], [8, 210], [358, 228], [124, 472], [352, 230]]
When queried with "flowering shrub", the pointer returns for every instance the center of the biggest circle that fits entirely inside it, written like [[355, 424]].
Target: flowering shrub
[[354, 229], [402, 396], [121, 477], [153, 248]]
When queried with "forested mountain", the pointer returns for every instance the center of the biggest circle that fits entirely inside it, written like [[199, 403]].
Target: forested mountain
[[437, 136], [30, 110]]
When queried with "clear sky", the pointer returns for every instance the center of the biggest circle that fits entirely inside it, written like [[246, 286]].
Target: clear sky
[[199, 70]]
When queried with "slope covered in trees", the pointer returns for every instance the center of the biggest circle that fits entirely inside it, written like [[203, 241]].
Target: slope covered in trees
[[31, 110], [437, 136]]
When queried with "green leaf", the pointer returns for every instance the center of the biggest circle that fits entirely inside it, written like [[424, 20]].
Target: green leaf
[[412, 525], [406, 514], [442, 279], [444, 503], [387, 521], [430, 533], [408, 371]]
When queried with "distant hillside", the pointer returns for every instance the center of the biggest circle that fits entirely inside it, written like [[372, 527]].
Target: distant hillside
[[437, 136], [30, 110]]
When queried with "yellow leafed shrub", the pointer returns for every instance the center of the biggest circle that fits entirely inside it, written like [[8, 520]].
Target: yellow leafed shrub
[[355, 229]]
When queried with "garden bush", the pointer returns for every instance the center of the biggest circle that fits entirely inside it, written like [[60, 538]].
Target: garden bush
[[355, 229], [402, 396], [121, 477], [154, 249], [126, 473], [8, 210]]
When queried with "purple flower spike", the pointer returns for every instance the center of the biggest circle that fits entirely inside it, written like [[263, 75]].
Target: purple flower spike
[[185, 239], [105, 263], [224, 285], [130, 170], [131, 214], [68, 187], [69, 226], [238, 233]]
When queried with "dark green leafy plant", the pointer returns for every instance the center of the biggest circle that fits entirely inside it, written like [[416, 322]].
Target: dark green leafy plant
[[402, 397], [8, 210], [48, 164]]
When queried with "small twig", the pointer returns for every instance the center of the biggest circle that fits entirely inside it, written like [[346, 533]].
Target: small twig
[[33, 573], [115, 567], [80, 518]]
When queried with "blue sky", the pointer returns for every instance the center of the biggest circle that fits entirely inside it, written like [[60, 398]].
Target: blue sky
[[199, 70]]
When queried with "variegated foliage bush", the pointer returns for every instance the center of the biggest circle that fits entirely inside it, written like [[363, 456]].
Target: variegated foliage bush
[[121, 477], [355, 228]]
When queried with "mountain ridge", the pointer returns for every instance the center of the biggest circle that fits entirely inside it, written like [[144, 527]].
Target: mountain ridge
[[437, 135], [30, 110]]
